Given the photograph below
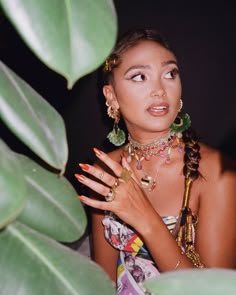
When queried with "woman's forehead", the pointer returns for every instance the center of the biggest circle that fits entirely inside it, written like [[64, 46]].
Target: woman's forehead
[[146, 52]]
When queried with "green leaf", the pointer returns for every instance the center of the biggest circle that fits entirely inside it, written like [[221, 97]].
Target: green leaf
[[32, 264], [12, 186], [52, 207], [72, 37], [32, 119], [194, 282]]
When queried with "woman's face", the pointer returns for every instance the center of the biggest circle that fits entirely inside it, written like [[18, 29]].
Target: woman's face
[[146, 89]]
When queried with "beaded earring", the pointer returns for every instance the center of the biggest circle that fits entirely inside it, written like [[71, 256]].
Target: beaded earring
[[181, 123], [116, 136]]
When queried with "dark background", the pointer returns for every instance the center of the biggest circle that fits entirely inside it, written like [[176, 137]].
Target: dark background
[[203, 36]]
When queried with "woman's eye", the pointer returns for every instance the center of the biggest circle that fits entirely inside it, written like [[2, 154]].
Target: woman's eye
[[172, 74], [138, 77]]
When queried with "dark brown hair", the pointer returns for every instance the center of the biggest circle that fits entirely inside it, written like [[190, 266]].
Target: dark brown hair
[[127, 41]]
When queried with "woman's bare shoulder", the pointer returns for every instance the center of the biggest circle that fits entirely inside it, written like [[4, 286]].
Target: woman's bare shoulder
[[216, 168], [214, 161]]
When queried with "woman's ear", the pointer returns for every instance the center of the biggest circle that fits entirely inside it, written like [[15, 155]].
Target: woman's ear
[[110, 96]]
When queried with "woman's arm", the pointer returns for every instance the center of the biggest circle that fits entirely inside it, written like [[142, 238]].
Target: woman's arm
[[215, 235], [216, 230]]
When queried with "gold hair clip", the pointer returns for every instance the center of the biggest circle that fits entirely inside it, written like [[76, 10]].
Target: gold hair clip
[[109, 63]]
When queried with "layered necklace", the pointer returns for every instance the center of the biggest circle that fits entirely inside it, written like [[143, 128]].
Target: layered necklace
[[160, 147]]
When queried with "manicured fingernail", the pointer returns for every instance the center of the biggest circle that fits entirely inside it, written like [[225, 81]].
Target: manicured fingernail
[[80, 177], [82, 198], [97, 152], [84, 167]]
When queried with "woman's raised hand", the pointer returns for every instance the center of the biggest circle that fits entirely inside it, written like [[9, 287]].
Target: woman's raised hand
[[122, 193]]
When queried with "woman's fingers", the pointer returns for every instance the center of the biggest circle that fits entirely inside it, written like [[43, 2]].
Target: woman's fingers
[[95, 203], [94, 185], [97, 172], [126, 165], [113, 165]]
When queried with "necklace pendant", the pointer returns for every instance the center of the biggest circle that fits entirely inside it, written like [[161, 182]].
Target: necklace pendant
[[139, 165], [148, 182]]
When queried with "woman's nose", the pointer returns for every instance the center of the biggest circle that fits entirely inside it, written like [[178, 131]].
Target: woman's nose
[[159, 92], [158, 89]]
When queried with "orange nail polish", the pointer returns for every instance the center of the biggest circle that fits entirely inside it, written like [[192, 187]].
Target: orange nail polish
[[97, 152], [80, 177], [82, 198], [84, 167]]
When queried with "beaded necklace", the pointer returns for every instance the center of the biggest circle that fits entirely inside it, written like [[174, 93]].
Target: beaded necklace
[[160, 147]]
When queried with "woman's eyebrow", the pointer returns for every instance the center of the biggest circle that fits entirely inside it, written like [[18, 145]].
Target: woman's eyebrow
[[137, 67], [164, 63]]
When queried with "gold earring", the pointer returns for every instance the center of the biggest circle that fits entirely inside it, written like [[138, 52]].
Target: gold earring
[[117, 135], [180, 105]]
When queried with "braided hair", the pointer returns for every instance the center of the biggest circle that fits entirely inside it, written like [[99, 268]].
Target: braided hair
[[191, 154]]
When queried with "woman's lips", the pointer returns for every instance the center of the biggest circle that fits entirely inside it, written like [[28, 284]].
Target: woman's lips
[[158, 110]]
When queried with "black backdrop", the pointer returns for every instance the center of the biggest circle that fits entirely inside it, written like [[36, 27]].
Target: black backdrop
[[203, 35]]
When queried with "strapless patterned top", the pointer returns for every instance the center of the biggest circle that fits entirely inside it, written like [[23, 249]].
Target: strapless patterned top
[[135, 263]]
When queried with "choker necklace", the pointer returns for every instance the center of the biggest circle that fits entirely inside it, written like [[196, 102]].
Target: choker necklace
[[160, 147]]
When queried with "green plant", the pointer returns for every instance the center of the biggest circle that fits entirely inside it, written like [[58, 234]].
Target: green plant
[[39, 207], [194, 282]]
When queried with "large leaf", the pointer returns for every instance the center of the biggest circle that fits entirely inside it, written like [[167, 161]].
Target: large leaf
[[52, 207], [32, 119], [72, 37], [12, 186], [32, 264], [194, 282]]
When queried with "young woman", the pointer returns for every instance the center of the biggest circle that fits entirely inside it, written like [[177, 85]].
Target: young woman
[[167, 202]]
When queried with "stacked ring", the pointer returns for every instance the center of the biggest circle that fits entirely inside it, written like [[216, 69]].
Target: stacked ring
[[116, 183], [110, 196]]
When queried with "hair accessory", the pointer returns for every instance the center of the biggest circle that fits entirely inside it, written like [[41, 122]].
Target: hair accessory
[[117, 135], [180, 124], [183, 231], [109, 64], [110, 195]]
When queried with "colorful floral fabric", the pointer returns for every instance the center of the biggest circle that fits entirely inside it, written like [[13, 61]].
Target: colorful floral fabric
[[134, 264]]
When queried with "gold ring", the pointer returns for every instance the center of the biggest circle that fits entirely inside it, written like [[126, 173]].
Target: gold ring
[[100, 175], [125, 174], [116, 183], [110, 196]]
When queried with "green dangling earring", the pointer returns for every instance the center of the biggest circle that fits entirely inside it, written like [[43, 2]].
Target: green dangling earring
[[181, 123], [117, 136]]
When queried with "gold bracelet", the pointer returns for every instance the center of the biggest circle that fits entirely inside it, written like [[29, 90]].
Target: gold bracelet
[[177, 265]]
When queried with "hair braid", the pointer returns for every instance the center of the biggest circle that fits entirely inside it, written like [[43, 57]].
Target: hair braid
[[192, 154]]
